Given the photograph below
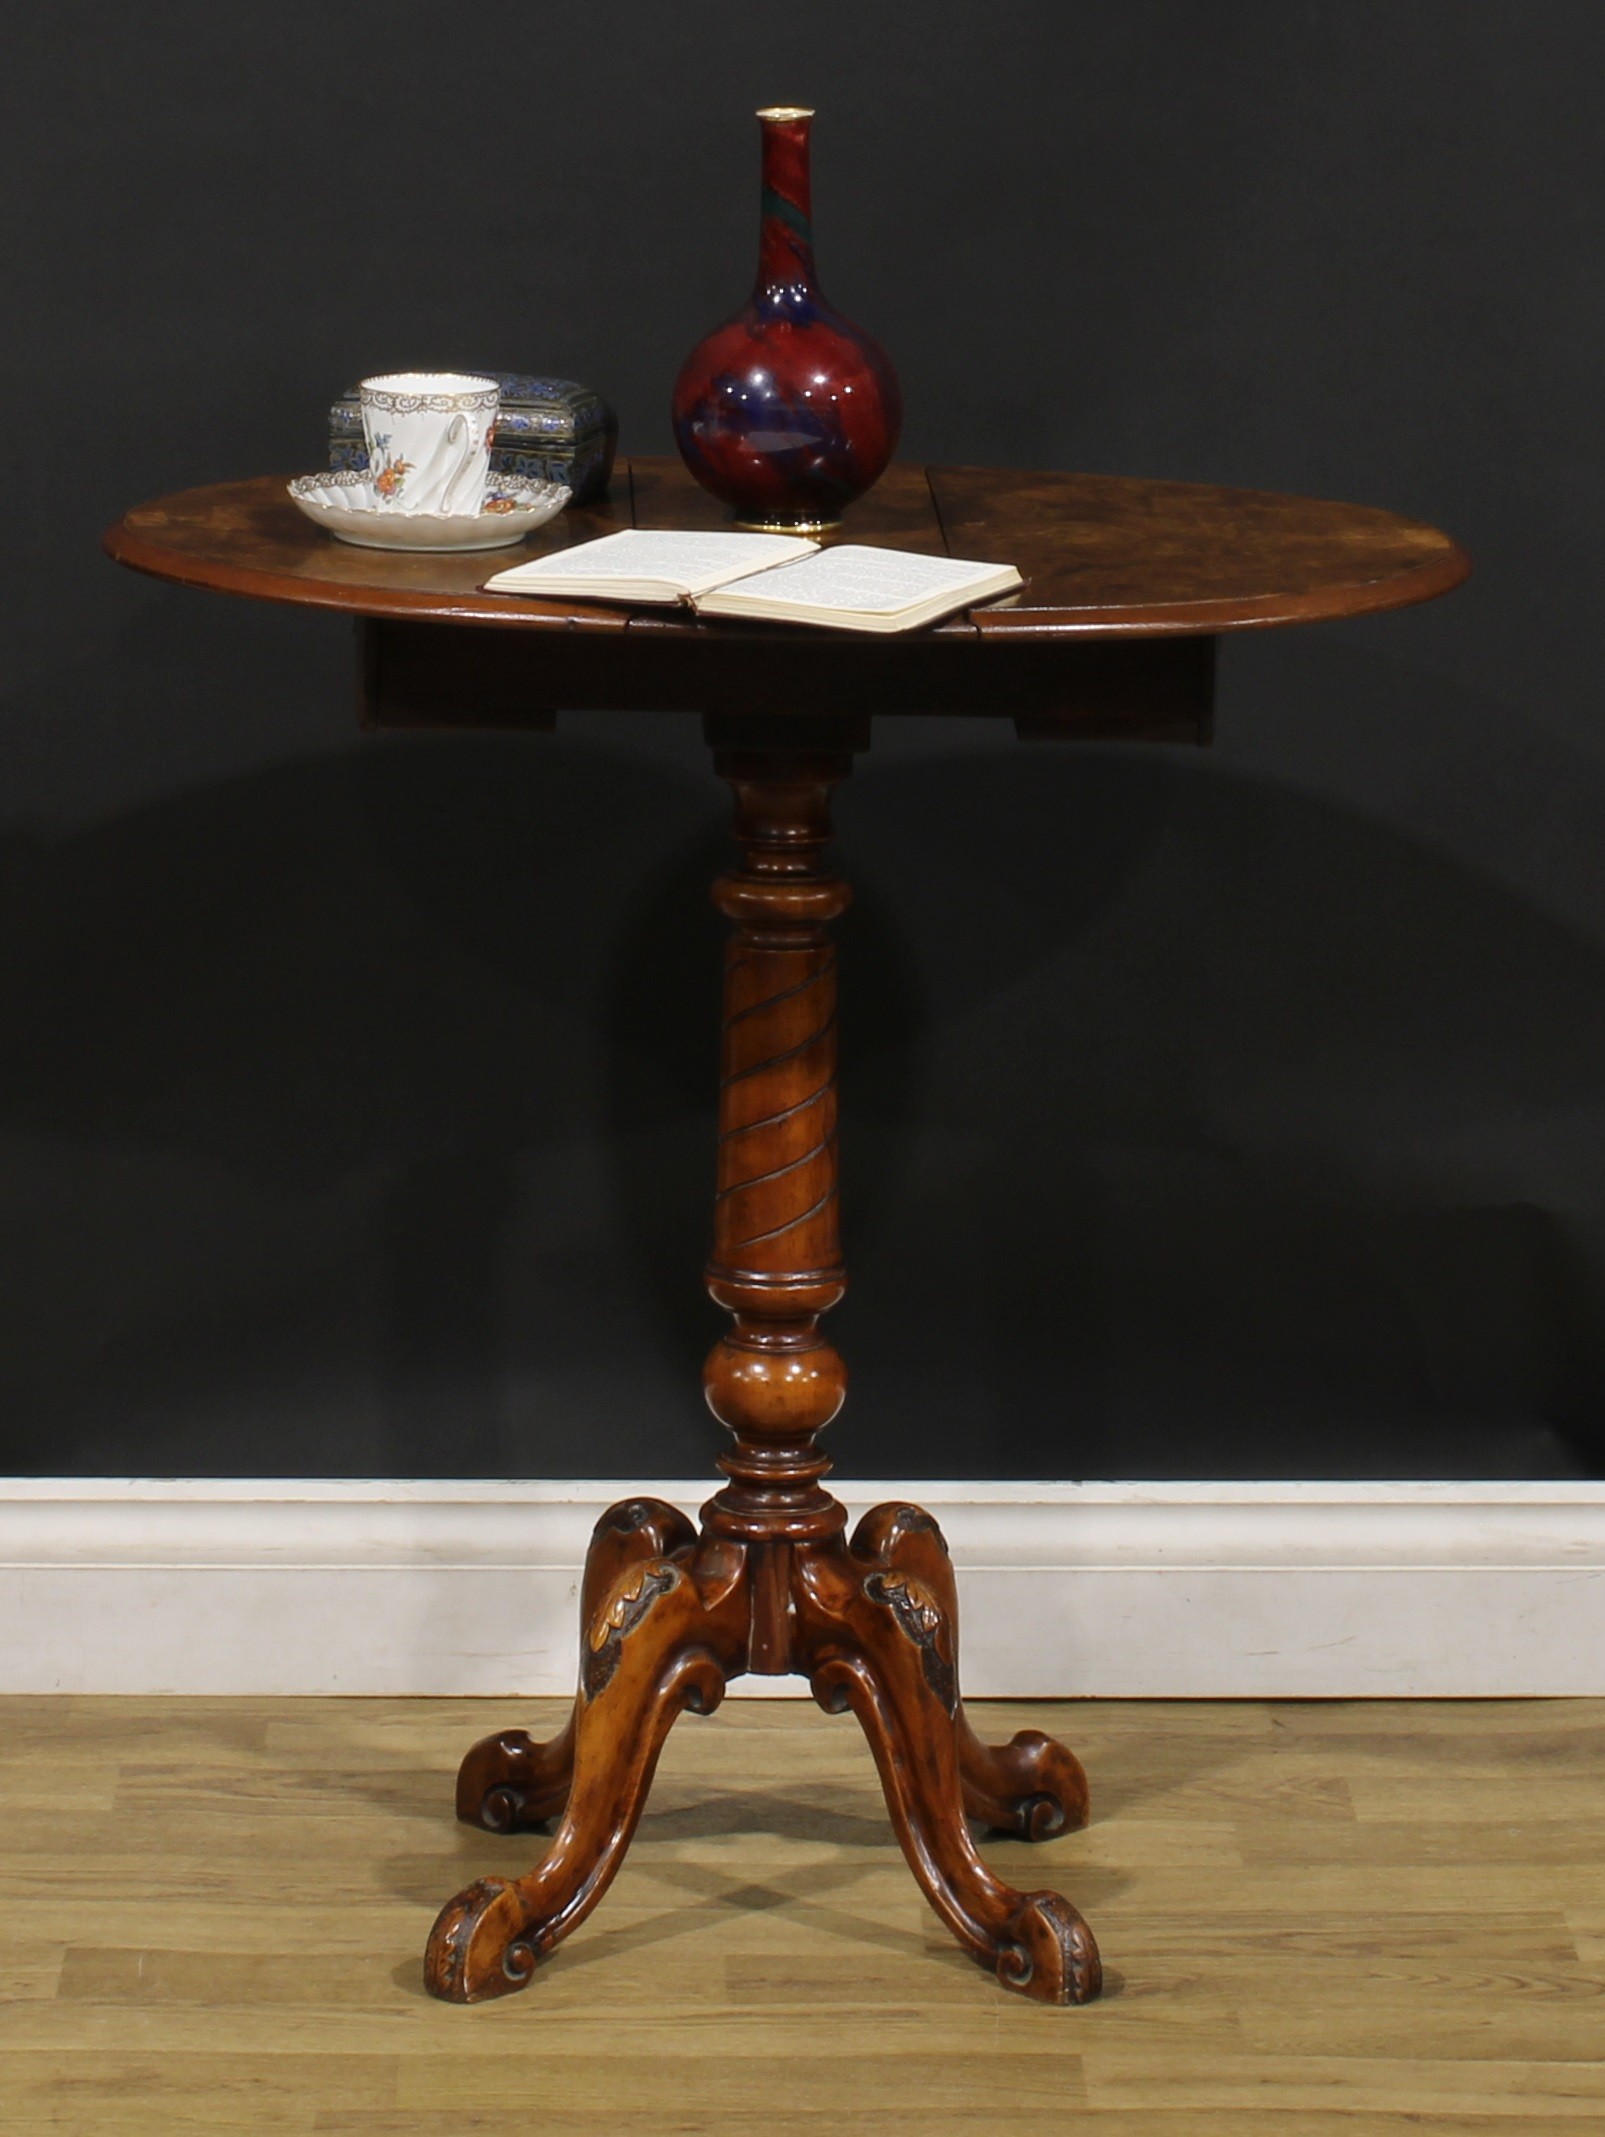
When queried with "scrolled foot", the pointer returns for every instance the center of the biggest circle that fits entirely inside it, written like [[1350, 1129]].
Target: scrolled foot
[[479, 1946], [1047, 1952], [508, 1783], [1030, 1787]]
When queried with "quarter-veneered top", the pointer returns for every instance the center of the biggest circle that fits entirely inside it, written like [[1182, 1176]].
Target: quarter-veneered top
[[1102, 556]]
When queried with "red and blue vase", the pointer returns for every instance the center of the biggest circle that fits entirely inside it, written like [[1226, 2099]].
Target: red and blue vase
[[788, 411]]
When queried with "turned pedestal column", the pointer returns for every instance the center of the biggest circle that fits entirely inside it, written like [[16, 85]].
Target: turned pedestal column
[[771, 1583]]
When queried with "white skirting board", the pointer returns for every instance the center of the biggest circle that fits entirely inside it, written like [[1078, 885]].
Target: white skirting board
[[1160, 1591]]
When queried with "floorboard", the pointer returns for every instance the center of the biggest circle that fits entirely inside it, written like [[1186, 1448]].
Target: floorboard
[[1317, 1920]]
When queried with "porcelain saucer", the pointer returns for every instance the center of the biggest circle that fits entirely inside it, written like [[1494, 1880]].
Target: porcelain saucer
[[344, 502]]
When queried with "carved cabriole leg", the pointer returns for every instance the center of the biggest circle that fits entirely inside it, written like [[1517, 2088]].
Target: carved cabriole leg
[[873, 1636], [508, 1783], [1030, 1787], [666, 1636], [774, 1380]]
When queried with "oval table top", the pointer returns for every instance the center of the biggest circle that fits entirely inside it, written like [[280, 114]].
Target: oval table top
[[1103, 556]]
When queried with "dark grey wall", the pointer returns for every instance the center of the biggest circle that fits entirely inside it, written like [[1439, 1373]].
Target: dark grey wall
[[1220, 1114]]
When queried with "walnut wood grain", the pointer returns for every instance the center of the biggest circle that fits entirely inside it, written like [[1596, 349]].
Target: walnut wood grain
[[1102, 556], [1129, 586], [1111, 555], [898, 513]]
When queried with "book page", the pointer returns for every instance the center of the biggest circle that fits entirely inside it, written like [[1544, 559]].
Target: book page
[[689, 563], [866, 581]]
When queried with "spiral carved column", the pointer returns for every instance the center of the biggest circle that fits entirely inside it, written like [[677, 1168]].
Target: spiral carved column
[[775, 1380]]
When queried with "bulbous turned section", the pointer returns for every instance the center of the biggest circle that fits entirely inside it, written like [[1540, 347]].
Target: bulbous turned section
[[774, 1383]]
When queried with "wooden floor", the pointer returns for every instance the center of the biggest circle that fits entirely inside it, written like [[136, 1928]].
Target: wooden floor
[[1344, 1919]]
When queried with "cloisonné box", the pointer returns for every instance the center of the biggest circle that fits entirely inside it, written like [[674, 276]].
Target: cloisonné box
[[550, 428]]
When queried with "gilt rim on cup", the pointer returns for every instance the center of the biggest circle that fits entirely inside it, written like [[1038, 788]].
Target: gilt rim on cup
[[443, 392]]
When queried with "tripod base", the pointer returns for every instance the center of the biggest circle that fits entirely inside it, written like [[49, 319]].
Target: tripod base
[[669, 1616]]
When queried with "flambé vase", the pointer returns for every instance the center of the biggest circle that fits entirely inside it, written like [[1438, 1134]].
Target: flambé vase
[[788, 411]]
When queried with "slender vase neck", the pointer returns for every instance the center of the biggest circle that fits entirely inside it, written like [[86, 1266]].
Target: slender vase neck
[[786, 236]]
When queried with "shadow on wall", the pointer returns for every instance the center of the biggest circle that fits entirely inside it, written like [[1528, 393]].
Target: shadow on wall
[[358, 1120]]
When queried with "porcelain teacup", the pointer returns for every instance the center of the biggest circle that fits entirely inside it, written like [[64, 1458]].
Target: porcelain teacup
[[429, 436]]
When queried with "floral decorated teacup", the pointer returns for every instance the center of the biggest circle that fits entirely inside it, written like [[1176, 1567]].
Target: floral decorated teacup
[[429, 436]]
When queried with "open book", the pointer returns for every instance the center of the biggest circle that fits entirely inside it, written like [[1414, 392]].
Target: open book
[[779, 578]]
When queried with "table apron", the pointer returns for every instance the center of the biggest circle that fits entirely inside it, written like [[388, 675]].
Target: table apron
[[457, 676]]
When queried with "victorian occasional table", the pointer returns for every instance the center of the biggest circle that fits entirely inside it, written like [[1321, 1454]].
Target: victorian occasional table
[[1128, 586]]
